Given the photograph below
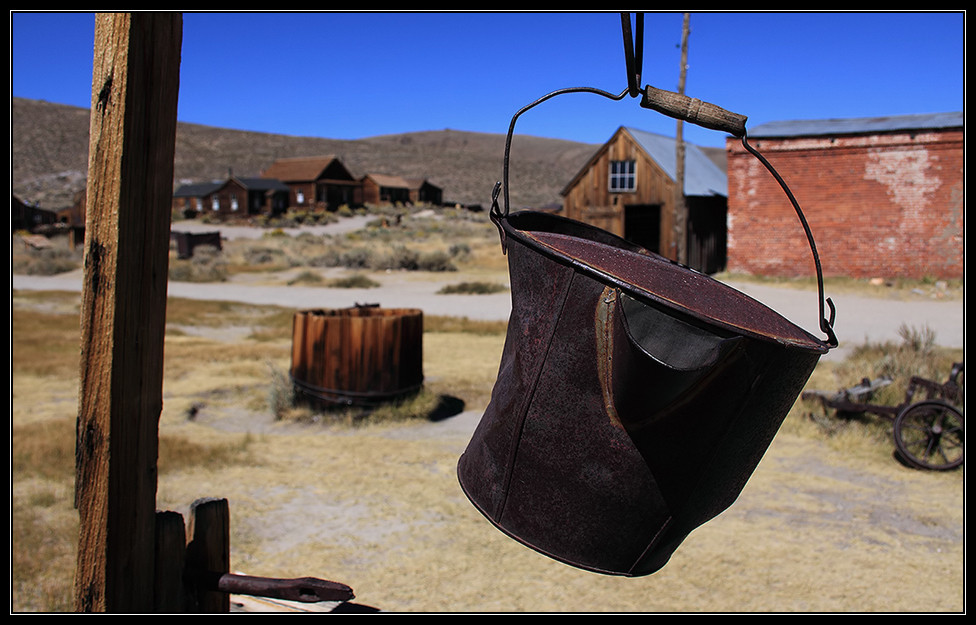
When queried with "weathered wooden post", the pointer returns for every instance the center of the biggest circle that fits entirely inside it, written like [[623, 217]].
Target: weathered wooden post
[[208, 554], [135, 84]]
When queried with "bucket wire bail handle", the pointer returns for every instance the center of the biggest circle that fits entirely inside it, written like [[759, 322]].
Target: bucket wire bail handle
[[677, 106]]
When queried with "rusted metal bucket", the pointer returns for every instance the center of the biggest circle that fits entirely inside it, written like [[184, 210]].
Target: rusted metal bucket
[[634, 398]]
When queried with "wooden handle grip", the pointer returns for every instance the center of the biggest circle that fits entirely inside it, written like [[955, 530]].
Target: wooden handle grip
[[694, 111]]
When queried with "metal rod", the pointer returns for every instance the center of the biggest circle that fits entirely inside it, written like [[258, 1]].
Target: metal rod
[[303, 589]]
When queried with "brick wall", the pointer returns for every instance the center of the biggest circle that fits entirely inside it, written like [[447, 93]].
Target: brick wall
[[888, 205]]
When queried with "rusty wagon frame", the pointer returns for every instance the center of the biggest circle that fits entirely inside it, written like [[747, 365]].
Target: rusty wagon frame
[[928, 433]]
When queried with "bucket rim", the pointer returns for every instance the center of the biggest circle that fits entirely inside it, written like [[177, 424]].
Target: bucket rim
[[519, 226]]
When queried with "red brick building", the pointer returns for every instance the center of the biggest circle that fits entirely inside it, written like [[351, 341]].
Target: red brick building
[[884, 197]]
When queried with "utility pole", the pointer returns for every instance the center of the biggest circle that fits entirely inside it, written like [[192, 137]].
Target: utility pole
[[680, 209]]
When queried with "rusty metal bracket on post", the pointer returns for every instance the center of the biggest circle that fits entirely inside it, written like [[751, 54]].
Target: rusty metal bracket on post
[[302, 589], [194, 575]]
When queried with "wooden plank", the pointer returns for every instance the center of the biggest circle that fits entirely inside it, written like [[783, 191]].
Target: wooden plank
[[363, 354], [170, 595], [299, 359], [208, 554], [135, 82]]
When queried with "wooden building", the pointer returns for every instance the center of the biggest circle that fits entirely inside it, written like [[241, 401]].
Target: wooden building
[[884, 197], [249, 196], [385, 189], [23, 216], [192, 199], [627, 187], [234, 197], [315, 182], [423, 191]]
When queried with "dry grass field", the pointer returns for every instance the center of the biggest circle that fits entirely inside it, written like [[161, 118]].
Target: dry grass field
[[830, 522]]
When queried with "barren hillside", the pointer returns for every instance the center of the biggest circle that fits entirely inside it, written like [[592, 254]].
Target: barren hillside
[[49, 149]]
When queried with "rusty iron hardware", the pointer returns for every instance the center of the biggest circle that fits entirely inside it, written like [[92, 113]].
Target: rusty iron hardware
[[633, 52], [302, 589], [928, 433]]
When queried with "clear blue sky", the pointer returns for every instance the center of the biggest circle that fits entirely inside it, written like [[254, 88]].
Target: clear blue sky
[[353, 75]]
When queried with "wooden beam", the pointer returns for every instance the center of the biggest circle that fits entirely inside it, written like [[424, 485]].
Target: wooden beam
[[135, 84], [170, 592], [208, 554]]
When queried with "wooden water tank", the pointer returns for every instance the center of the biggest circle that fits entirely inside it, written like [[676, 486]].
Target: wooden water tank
[[362, 355]]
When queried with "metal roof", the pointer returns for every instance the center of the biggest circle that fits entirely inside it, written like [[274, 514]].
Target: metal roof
[[197, 189], [702, 176], [263, 184], [857, 125]]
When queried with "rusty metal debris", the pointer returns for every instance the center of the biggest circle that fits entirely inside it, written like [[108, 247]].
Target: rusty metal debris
[[928, 434], [303, 589]]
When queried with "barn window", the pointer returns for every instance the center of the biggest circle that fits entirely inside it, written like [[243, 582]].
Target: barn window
[[623, 176]]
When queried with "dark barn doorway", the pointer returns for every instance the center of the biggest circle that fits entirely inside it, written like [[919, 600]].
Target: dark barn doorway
[[707, 234], [642, 225]]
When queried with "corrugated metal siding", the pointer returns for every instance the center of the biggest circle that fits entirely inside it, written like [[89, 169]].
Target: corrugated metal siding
[[702, 176]]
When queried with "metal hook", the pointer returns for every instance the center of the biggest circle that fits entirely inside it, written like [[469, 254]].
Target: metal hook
[[633, 52]]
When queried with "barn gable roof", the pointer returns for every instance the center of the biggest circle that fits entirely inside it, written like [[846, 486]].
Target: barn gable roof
[[702, 176], [857, 125]]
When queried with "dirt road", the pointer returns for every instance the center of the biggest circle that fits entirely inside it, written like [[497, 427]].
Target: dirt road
[[859, 319]]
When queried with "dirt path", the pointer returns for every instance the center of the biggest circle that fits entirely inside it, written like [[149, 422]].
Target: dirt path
[[859, 319]]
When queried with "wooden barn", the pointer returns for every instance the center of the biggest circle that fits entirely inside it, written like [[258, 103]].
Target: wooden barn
[[315, 182], [884, 197], [627, 187]]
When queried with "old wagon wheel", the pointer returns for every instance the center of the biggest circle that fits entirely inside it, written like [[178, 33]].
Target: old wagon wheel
[[929, 435]]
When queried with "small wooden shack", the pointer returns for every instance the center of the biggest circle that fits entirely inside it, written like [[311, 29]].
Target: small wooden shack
[[249, 196], [423, 191], [23, 216], [192, 198], [385, 189]]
